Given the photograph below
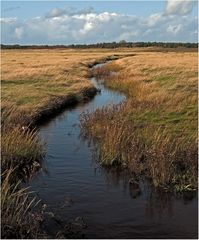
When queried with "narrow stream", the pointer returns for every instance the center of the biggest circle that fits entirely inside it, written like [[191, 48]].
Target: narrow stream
[[74, 186]]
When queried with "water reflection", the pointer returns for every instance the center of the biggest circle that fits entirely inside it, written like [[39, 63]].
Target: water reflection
[[158, 203]]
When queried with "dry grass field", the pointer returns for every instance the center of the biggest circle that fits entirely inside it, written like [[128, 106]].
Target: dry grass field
[[155, 131], [36, 80], [168, 81], [33, 79]]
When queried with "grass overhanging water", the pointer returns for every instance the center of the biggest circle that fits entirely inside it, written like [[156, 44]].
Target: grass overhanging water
[[154, 132], [21, 154]]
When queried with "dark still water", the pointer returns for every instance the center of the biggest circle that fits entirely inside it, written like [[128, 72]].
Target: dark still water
[[74, 186]]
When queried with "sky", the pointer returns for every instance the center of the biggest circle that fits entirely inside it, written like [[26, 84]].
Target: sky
[[85, 22]]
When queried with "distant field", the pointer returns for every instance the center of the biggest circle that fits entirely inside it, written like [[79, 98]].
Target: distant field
[[166, 81], [32, 79]]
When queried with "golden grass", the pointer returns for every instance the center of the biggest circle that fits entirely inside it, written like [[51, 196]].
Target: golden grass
[[17, 220], [34, 82], [21, 149], [165, 72], [165, 81], [155, 130], [33, 79], [21, 155]]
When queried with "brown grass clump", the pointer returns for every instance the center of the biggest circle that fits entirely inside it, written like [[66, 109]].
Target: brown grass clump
[[21, 154], [17, 218], [166, 160], [155, 131], [21, 148]]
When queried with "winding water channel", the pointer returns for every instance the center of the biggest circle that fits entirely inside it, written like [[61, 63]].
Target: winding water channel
[[74, 186]]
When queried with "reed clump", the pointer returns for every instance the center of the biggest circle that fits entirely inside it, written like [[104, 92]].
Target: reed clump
[[153, 132], [165, 160], [18, 221], [21, 155], [21, 148]]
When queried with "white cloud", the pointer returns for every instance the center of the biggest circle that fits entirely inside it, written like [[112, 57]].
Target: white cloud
[[88, 26], [179, 7], [105, 17], [174, 29], [19, 32], [68, 26], [155, 18], [128, 36], [56, 12], [9, 20]]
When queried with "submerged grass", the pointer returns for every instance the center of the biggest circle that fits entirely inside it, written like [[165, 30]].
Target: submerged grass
[[154, 132]]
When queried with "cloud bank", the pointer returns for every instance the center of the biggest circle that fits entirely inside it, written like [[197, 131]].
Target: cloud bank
[[71, 26], [179, 7]]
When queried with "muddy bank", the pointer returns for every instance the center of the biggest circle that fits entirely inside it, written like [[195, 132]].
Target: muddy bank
[[59, 104]]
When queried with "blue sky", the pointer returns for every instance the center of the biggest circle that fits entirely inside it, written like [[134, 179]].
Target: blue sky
[[26, 9], [67, 22]]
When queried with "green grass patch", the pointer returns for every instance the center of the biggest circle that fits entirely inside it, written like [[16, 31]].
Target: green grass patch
[[164, 80]]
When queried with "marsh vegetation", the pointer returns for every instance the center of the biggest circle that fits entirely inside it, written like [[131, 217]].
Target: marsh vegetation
[[36, 84], [153, 132], [21, 155]]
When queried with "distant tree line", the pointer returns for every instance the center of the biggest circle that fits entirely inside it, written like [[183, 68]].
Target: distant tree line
[[120, 44]]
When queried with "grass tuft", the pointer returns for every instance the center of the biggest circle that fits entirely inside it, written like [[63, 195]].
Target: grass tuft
[[17, 218], [21, 156]]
